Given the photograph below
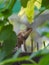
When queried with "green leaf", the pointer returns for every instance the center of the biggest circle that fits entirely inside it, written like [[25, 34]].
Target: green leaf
[[38, 3], [2, 55], [4, 5], [6, 32], [9, 38], [28, 64], [45, 34], [16, 8], [1, 1], [8, 6], [29, 11], [11, 60], [12, 4], [6, 13], [10, 43], [45, 3], [24, 3], [2, 23], [44, 60]]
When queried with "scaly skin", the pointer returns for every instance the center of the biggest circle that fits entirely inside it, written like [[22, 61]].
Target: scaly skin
[[22, 36]]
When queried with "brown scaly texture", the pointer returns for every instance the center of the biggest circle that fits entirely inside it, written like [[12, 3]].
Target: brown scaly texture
[[22, 36]]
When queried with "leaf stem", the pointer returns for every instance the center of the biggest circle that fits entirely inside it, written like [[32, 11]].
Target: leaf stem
[[32, 61]]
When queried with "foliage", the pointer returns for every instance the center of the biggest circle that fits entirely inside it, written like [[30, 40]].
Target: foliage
[[30, 8], [24, 3], [45, 4], [8, 37]]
